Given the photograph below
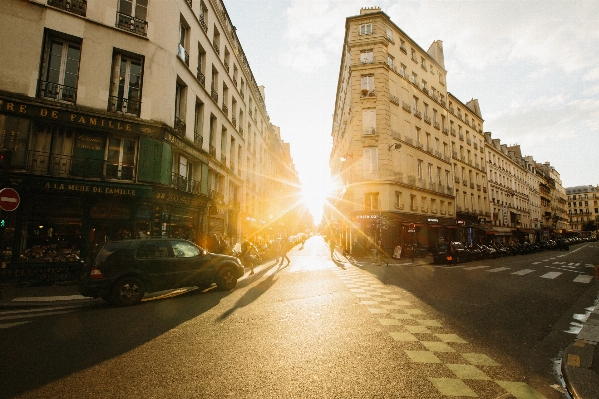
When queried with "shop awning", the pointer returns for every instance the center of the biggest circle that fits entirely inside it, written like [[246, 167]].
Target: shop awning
[[527, 231], [451, 227], [499, 231]]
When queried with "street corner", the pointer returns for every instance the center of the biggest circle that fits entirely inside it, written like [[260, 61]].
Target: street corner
[[579, 374]]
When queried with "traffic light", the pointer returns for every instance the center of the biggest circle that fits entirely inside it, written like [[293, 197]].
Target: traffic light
[[5, 159]]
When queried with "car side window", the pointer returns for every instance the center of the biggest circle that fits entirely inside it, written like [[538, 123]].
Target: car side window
[[152, 249], [184, 249]]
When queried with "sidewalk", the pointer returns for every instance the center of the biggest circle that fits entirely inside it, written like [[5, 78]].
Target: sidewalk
[[580, 361]]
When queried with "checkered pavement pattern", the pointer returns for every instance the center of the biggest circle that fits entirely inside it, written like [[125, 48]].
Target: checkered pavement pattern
[[451, 365]]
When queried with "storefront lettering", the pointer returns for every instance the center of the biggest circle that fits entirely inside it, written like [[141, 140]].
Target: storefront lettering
[[91, 143], [91, 189]]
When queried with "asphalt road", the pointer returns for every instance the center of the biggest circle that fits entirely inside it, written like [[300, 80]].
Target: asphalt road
[[317, 329]]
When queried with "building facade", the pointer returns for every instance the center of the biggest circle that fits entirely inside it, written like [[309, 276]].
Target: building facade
[[399, 139], [583, 207], [128, 118]]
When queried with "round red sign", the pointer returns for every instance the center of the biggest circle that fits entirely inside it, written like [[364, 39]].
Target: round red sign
[[9, 199]]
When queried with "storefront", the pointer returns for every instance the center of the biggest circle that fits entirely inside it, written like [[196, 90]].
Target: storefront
[[498, 235]]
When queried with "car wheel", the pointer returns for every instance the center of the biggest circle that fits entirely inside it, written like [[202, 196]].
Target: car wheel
[[127, 291], [226, 279]]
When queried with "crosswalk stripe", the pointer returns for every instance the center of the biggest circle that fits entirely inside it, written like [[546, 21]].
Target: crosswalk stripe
[[583, 278], [523, 272], [42, 309], [476, 267], [22, 316], [551, 275], [499, 269], [9, 325]]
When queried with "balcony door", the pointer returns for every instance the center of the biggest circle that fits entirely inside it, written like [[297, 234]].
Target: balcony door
[[51, 151], [60, 72], [125, 93], [120, 158]]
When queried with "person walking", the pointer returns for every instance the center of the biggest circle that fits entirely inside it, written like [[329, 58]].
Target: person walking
[[284, 247], [246, 254]]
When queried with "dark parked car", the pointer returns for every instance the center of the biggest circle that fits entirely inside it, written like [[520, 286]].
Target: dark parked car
[[441, 252], [123, 271], [562, 244]]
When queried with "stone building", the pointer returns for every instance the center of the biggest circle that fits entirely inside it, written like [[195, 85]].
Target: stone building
[[583, 206], [132, 117], [406, 150]]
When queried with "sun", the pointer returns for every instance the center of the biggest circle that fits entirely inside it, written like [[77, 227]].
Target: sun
[[315, 195]]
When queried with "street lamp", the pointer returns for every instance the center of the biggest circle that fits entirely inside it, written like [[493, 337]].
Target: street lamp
[[395, 146]]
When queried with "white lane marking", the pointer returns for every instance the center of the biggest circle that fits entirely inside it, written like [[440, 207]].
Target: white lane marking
[[475, 267], [535, 263], [551, 275], [22, 316], [583, 278], [50, 298], [499, 269], [9, 325], [40, 309], [523, 272]]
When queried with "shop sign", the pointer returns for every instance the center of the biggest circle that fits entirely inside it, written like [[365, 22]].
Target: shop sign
[[461, 223], [110, 211], [76, 118], [174, 198], [366, 217], [430, 220], [171, 138], [505, 219], [90, 189]]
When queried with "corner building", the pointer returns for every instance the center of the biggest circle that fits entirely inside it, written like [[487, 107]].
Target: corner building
[[409, 154], [128, 118]]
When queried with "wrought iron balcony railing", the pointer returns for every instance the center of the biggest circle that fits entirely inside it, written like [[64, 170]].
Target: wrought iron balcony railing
[[198, 139], [183, 183], [214, 95], [56, 91], [51, 164], [180, 126], [182, 53], [124, 105], [78, 7], [131, 24], [201, 78]]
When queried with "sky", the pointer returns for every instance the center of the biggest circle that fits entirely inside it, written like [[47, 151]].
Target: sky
[[532, 65]]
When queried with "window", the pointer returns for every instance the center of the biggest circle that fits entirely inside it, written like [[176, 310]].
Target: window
[[439, 181], [198, 126], [420, 169], [203, 16], [371, 201], [120, 158], [430, 173], [60, 69], [367, 57], [183, 42], [398, 200], [368, 82], [152, 249], [183, 249], [413, 205], [370, 162], [369, 121], [125, 91], [423, 63], [365, 29], [390, 62], [180, 92], [201, 72], [415, 103], [131, 16], [389, 34], [402, 70]]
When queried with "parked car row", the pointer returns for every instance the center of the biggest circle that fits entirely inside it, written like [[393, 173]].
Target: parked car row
[[462, 253]]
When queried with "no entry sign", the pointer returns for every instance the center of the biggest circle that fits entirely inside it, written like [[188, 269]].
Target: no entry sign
[[9, 199]]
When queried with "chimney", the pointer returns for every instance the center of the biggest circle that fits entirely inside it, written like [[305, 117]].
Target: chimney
[[369, 10]]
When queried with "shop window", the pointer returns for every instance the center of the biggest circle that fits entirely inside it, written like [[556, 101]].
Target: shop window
[[125, 89], [14, 136], [120, 158], [51, 150], [60, 69]]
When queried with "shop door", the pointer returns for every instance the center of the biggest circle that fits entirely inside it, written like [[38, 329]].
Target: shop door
[[155, 260]]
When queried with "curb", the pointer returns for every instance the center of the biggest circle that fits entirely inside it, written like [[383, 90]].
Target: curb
[[581, 381]]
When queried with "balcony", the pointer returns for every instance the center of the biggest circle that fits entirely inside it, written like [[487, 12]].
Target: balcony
[[54, 91], [203, 23], [465, 183], [234, 121], [457, 180], [50, 164], [78, 7], [471, 185], [453, 132], [226, 64], [212, 150], [234, 81], [427, 119], [478, 187], [182, 53], [124, 105], [201, 78], [214, 95], [180, 126], [226, 110], [436, 125], [367, 93], [215, 47], [403, 49], [446, 131], [198, 139], [468, 141], [183, 183], [241, 94], [406, 107], [131, 24], [417, 114], [462, 136]]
